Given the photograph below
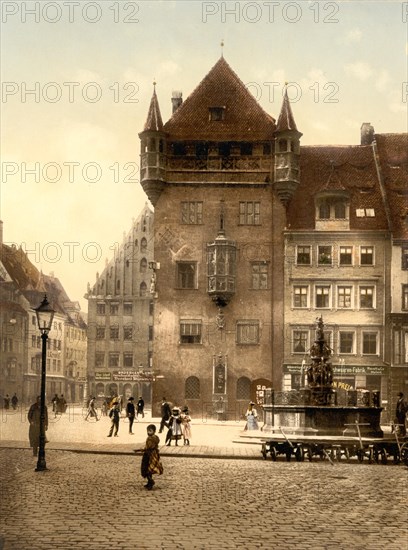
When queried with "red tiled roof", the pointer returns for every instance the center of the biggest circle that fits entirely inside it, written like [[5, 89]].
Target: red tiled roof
[[393, 157], [350, 169], [244, 119], [19, 267]]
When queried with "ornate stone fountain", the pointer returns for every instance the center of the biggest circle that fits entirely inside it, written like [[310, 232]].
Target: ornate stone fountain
[[313, 410]]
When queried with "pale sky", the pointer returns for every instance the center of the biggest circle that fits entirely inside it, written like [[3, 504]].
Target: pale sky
[[90, 68]]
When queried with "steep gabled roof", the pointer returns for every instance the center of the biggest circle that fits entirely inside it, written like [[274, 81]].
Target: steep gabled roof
[[244, 119], [355, 173], [154, 120], [286, 120], [393, 157]]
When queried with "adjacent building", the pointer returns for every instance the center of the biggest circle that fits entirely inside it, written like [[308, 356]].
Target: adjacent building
[[255, 237], [22, 288], [120, 317]]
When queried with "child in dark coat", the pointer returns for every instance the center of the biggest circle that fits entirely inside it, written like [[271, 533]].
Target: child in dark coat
[[151, 463]]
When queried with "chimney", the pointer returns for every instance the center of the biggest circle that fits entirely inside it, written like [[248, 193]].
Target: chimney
[[367, 133], [176, 100]]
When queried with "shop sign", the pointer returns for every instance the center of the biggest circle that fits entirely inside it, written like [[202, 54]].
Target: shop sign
[[130, 376], [342, 370], [102, 375]]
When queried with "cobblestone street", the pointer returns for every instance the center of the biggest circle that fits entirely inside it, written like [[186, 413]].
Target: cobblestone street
[[98, 501]]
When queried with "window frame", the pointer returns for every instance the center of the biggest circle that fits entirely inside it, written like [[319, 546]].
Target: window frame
[[372, 255], [179, 282], [249, 213], [363, 343], [196, 339], [373, 297], [263, 273], [305, 294], [323, 286], [320, 255], [301, 254], [194, 208], [248, 325], [342, 263], [404, 297], [306, 340], [353, 342], [339, 287]]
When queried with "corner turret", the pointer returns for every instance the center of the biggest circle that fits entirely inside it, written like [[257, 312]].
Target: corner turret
[[287, 152], [153, 152]]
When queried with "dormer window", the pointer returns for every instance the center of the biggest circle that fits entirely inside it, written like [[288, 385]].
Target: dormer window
[[216, 113]]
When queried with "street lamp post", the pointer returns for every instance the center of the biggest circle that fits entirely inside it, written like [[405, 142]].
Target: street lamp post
[[45, 316]]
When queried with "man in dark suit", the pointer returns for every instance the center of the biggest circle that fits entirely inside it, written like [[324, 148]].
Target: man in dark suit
[[165, 414]]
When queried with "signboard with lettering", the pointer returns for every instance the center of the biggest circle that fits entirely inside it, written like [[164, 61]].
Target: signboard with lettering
[[344, 370], [102, 375]]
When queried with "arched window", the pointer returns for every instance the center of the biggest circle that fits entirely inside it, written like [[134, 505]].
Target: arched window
[[192, 388], [143, 245], [143, 289], [244, 388], [143, 265]]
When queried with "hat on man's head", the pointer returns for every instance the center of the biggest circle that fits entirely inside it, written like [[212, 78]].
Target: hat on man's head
[[131, 399]]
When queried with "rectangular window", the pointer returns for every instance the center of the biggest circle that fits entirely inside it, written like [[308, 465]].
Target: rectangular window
[[99, 359], [366, 297], [259, 275], [127, 333], [190, 332], [404, 257], [344, 297], [303, 255], [346, 255], [191, 212], [300, 296], [300, 341], [114, 309], [128, 359], [346, 342], [127, 308], [324, 255], [33, 341], [113, 359], [114, 332], [248, 332], [100, 309], [100, 333], [369, 343], [404, 305], [216, 113], [186, 275], [150, 333], [366, 255], [249, 213], [322, 296]]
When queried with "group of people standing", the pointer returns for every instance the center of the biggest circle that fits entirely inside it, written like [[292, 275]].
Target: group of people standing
[[59, 404], [177, 421], [13, 400], [132, 413]]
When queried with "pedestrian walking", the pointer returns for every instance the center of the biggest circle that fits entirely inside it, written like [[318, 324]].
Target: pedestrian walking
[[165, 414], [34, 418], [175, 432], [140, 407], [55, 402], [114, 415], [186, 425], [92, 410], [252, 417], [6, 402], [151, 463], [62, 404], [130, 413], [400, 414], [14, 401]]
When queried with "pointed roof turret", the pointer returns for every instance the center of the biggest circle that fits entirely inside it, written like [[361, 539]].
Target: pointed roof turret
[[286, 120], [154, 120], [240, 117]]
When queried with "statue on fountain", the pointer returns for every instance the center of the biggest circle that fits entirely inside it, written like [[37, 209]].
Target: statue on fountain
[[320, 371]]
